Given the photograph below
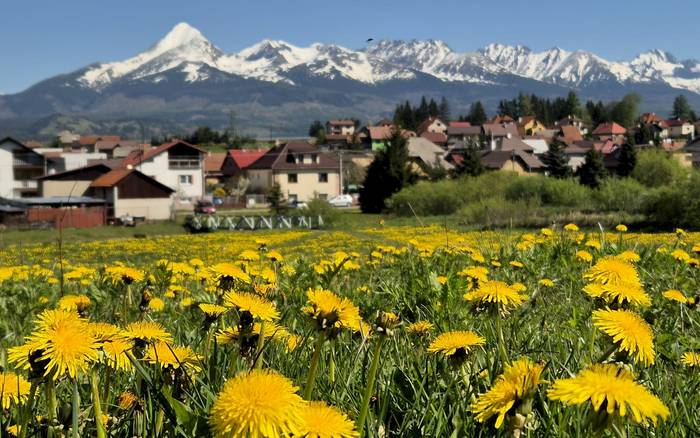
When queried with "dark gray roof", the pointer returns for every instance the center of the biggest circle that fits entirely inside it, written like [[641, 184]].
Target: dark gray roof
[[62, 200]]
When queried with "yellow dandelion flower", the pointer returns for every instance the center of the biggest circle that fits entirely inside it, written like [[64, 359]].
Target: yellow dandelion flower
[[212, 310], [547, 232], [127, 400], [420, 327], [584, 256], [274, 256], [622, 228], [632, 334], [229, 272], [516, 264], [257, 306], [593, 244], [261, 403], [546, 282], [14, 389], [124, 274], [104, 331], [77, 303], [623, 293], [518, 381], [628, 256], [612, 270], [441, 279], [249, 256], [455, 343], [331, 311], [156, 304], [173, 356], [680, 255], [571, 227], [496, 292], [186, 302], [115, 353], [323, 421], [675, 295], [611, 387], [147, 331], [691, 359]]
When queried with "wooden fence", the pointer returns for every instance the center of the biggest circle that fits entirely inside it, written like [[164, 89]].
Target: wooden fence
[[67, 217]]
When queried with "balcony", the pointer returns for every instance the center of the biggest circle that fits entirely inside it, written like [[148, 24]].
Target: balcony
[[26, 184], [184, 162], [27, 160]]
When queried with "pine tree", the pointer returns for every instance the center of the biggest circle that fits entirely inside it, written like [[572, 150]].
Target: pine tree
[[525, 105], [477, 114], [386, 175], [681, 108], [556, 161], [626, 160], [275, 198], [644, 135], [314, 128], [444, 110], [592, 171], [573, 106], [422, 112], [471, 161], [433, 109]]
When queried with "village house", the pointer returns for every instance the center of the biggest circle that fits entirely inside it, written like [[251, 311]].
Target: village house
[[87, 142], [377, 135], [213, 163], [519, 162], [302, 171], [680, 128], [117, 149], [529, 125], [610, 131], [569, 134], [463, 132], [432, 125], [424, 155], [19, 168], [177, 164], [123, 190], [572, 121], [495, 132], [343, 127], [238, 161]]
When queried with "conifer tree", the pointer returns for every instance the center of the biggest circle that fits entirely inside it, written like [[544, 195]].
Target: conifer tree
[[592, 171], [556, 161], [386, 175]]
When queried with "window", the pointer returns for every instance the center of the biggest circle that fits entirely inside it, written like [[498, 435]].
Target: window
[[292, 198], [292, 178], [314, 158], [323, 196], [323, 177], [186, 180]]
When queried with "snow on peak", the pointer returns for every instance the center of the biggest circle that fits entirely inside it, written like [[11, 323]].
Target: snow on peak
[[180, 35]]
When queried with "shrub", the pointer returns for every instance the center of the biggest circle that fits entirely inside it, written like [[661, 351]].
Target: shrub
[[549, 191], [620, 194], [499, 211], [656, 168], [426, 198], [321, 207], [675, 205]]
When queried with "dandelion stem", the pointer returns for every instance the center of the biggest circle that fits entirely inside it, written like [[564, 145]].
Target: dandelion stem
[[96, 406], [369, 389], [501, 340], [259, 349], [52, 403], [308, 389], [75, 409], [27, 412]]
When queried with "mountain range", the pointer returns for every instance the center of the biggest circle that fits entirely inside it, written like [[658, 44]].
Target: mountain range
[[276, 88]]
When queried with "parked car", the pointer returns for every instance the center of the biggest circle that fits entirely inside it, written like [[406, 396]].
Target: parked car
[[205, 207], [297, 204], [341, 201]]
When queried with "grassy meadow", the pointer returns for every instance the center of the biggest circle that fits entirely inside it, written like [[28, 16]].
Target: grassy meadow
[[379, 330]]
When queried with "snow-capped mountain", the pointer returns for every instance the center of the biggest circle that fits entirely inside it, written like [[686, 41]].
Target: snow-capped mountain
[[187, 79], [185, 49]]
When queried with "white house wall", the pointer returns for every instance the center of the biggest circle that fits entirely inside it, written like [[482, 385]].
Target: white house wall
[[7, 172], [158, 169]]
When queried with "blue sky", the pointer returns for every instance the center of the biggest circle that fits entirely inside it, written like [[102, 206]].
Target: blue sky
[[42, 38]]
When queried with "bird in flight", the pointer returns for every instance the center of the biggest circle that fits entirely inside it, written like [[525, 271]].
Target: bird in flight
[[370, 40]]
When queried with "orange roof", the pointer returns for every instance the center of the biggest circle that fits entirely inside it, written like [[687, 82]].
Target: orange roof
[[214, 161], [138, 156], [609, 129], [460, 125], [570, 133], [111, 178], [341, 122], [92, 139]]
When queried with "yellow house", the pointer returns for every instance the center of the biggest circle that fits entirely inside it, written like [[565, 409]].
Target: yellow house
[[530, 125]]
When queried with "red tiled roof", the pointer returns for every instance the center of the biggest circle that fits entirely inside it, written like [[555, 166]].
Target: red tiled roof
[[609, 129], [92, 139], [647, 118], [111, 178], [676, 122], [426, 123], [502, 119], [214, 161], [459, 125], [606, 147], [245, 158], [435, 137], [570, 133]]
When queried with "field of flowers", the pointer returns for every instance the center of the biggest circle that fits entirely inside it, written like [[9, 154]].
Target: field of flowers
[[379, 332]]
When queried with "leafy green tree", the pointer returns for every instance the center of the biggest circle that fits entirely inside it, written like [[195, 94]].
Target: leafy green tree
[[681, 109], [655, 168], [386, 175], [592, 171], [275, 198], [627, 160], [626, 111], [556, 161], [645, 135], [315, 127]]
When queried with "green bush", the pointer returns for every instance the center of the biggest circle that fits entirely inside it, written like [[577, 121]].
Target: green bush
[[620, 194], [675, 205], [427, 198], [549, 191], [656, 168], [321, 207], [499, 211]]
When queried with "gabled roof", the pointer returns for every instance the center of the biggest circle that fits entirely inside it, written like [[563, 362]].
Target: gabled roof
[[677, 122], [606, 147], [20, 144], [115, 176], [609, 129], [137, 156], [379, 132], [501, 119], [276, 158], [570, 133], [648, 118], [459, 124], [425, 124], [245, 157], [92, 139], [497, 159], [427, 151], [569, 120], [435, 137], [214, 161], [108, 145], [100, 167], [500, 130], [514, 144], [538, 145], [464, 130]]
